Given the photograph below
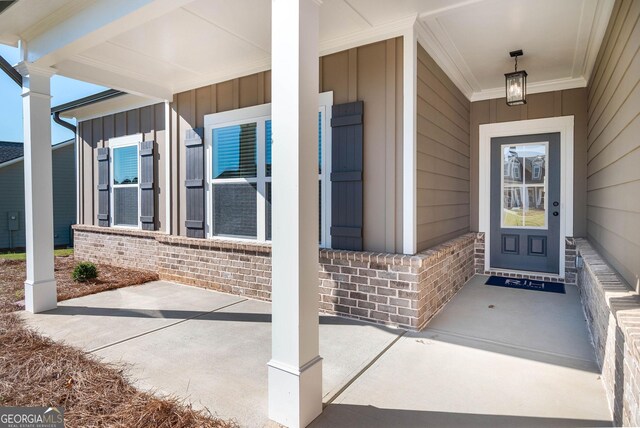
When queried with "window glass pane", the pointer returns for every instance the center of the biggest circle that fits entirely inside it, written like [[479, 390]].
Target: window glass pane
[[267, 136], [268, 142], [125, 165], [234, 151], [534, 165], [319, 142], [524, 185], [512, 206], [535, 212], [267, 198], [234, 210], [320, 211], [125, 206]]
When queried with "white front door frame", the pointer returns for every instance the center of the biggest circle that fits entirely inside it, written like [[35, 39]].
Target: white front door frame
[[563, 125]]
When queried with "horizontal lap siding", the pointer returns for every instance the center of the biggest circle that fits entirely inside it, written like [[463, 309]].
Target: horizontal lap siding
[[613, 175], [12, 200], [64, 194], [95, 133], [443, 115], [64, 198]]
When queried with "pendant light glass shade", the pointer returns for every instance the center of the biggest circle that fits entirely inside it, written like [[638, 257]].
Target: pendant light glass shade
[[516, 84]]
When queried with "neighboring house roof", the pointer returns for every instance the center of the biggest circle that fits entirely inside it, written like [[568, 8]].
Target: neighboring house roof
[[12, 152]]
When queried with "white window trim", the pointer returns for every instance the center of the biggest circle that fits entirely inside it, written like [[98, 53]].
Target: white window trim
[[565, 126], [116, 143], [261, 114]]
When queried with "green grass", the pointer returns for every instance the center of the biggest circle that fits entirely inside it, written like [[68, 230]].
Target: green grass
[[23, 256], [534, 218]]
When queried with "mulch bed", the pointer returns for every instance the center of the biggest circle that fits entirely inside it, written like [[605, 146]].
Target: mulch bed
[[36, 371], [12, 274]]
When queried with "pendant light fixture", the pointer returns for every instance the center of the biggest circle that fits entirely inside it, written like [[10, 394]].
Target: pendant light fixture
[[516, 83]]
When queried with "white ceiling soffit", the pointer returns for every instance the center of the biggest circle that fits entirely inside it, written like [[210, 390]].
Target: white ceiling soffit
[[471, 42], [163, 47]]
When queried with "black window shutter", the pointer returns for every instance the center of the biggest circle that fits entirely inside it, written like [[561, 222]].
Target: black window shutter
[[146, 185], [103, 186], [346, 176], [195, 182]]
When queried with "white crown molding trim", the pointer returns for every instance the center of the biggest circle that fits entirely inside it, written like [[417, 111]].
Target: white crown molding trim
[[532, 88], [367, 36], [444, 10], [430, 42], [587, 16], [433, 37], [596, 35]]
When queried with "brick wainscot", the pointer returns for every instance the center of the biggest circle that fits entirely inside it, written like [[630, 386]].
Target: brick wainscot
[[390, 289]]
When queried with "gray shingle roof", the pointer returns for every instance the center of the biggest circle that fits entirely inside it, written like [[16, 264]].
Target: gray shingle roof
[[10, 150]]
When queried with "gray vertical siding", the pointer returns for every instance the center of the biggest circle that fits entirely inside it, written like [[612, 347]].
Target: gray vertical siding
[[95, 133], [613, 172], [443, 156], [64, 198], [371, 73]]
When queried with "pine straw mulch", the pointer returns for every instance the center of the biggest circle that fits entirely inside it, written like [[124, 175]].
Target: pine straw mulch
[[12, 274], [36, 371]]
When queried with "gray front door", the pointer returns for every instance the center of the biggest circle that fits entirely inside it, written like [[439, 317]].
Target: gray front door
[[525, 203]]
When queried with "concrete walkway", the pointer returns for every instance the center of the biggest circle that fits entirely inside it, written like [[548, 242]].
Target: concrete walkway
[[524, 361], [494, 357]]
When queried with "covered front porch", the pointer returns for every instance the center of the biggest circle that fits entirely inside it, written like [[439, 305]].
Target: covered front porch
[[493, 357]]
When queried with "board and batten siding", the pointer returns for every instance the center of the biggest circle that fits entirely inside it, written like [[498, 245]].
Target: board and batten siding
[[95, 133], [372, 74], [443, 156], [613, 169], [64, 199], [571, 102]]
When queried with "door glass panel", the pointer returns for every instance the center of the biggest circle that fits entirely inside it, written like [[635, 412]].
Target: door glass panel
[[524, 185]]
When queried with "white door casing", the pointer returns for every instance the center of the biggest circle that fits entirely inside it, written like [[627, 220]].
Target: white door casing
[[564, 125]]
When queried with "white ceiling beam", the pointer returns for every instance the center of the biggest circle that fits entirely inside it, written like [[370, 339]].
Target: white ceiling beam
[[111, 79], [93, 25]]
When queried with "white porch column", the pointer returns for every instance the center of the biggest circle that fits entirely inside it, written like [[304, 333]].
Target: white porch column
[[40, 286], [295, 369]]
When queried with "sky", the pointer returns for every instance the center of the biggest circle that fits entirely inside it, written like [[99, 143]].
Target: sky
[[63, 90]]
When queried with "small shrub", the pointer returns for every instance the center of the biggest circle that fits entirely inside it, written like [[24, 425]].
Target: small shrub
[[84, 271]]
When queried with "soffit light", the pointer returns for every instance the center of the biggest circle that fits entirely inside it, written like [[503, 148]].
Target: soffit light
[[516, 83]]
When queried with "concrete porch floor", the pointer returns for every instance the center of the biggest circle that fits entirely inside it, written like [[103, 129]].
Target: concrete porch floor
[[526, 361]]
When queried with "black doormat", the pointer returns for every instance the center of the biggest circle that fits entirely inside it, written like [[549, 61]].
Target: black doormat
[[526, 284]]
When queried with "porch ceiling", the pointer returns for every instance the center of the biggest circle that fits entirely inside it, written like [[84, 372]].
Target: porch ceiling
[[160, 47]]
